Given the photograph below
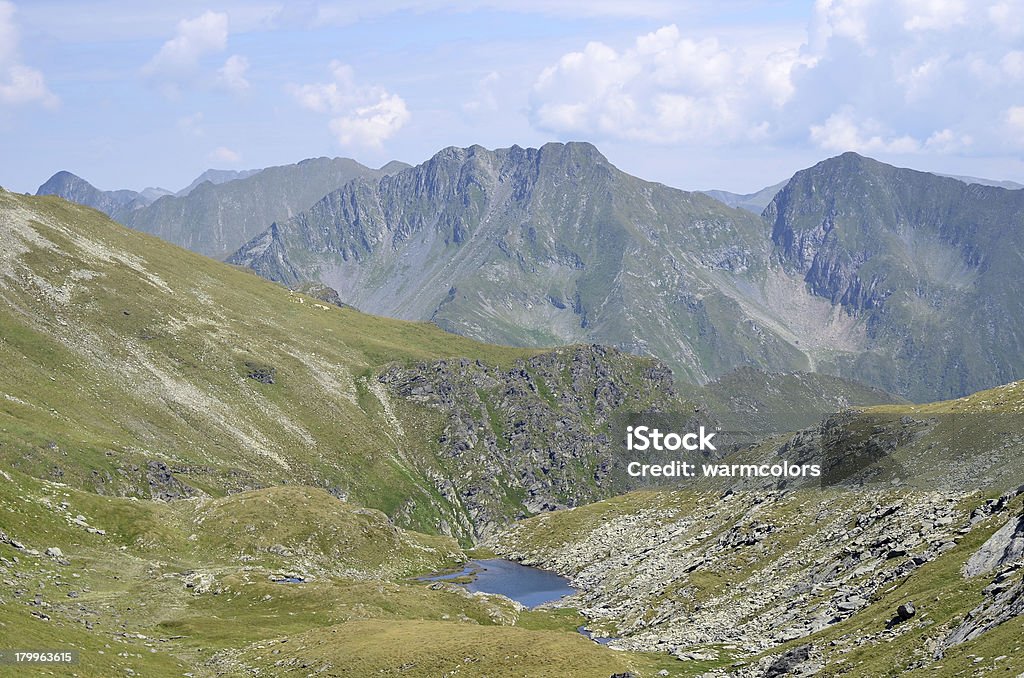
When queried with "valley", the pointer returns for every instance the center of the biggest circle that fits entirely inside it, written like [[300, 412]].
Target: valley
[[205, 472]]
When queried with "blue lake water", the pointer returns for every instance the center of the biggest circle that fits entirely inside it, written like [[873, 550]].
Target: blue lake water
[[529, 586]]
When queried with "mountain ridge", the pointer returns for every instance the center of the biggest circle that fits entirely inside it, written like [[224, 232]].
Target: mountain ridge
[[555, 245]]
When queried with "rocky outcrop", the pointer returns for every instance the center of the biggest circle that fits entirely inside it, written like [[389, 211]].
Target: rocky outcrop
[[1005, 547], [164, 485], [537, 436], [1004, 601], [655, 576]]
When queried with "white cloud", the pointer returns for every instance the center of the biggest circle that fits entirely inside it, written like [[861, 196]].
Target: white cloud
[[371, 125], [223, 155], [877, 76], [195, 38], [665, 88], [842, 132], [232, 74], [910, 76], [1008, 17], [1012, 64], [936, 15], [839, 18], [361, 115], [1014, 118], [947, 141], [19, 84]]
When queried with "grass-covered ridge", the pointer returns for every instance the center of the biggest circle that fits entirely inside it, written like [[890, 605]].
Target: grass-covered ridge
[[120, 349]]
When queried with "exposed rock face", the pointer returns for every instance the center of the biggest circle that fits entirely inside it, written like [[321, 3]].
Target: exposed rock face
[[922, 259], [535, 437], [1004, 602], [1004, 547], [787, 664], [163, 485], [323, 293], [862, 270]]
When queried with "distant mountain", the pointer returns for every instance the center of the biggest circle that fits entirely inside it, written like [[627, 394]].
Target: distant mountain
[[215, 219], [215, 177], [900, 279], [752, 202], [541, 247], [221, 209], [76, 189], [927, 268], [152, 193], [1012, 185]]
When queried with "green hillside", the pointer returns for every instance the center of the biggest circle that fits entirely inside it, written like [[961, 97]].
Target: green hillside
[[200, 467], [136, 368]]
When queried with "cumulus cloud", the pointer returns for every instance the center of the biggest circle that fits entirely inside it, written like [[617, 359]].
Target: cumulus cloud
[[665, 88], [361, 115], [911, 76], [180, 60], [223, 155], [935, 15], [883, 76], [232, 74], [19, 83], [842, 132], [194, 39]]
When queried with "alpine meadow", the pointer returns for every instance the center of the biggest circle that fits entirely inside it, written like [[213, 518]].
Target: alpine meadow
[[447, 359]]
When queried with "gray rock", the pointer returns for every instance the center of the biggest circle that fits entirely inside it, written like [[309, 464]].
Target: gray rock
[[54, 552], [1006, 605], [164, 485], [906, 610], [1005, 546], [280, 550], [789, 661]]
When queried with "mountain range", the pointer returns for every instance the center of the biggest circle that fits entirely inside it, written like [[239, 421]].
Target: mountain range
[[204, 472], [900, 279], [855, 268], [221, 209]]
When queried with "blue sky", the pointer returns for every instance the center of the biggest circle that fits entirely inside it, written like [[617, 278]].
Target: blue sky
[[696, 94]]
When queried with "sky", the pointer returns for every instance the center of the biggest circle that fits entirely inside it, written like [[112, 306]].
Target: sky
[[697, 94]]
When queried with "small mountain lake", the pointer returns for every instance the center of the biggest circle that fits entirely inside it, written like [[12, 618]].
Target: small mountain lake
[[529, 586]]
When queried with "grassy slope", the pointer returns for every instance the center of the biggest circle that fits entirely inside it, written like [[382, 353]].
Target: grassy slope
[[762, 402], [120, 349], [131, 605]]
